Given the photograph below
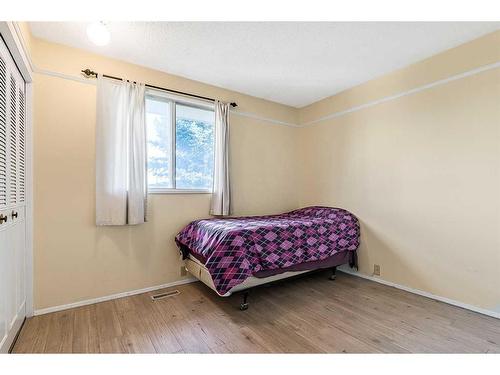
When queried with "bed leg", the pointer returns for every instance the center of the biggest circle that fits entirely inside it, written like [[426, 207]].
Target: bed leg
[[244, 303], [333, 276]]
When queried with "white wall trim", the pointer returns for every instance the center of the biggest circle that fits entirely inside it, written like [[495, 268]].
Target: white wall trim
[[93, 82], [50, 73], [16, 45], [449, 301], [22, 41], [14, 41], [493, 314], [29, 199], [86, 302], [321, 119], [405, 93], [257, 117]]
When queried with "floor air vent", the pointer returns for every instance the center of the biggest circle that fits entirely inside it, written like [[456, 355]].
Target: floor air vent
[[165, 295]]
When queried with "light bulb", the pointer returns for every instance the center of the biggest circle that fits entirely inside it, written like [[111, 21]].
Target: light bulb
[[98, 33]]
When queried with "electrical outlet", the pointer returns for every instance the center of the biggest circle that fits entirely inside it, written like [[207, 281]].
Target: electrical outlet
[[376, 269], [183, 271]]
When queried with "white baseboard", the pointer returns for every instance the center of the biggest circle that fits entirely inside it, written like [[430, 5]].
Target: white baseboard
[[449, 301], [110, 297]]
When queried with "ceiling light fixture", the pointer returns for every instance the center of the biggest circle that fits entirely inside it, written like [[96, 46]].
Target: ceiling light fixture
[[98, 33]]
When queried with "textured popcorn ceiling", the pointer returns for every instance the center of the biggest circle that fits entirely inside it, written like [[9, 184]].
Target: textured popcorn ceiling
[[293, 63]]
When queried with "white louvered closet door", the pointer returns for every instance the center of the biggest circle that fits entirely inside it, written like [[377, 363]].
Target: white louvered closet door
[[12, 199]]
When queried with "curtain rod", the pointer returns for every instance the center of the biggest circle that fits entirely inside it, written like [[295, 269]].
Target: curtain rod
[[91, 74]]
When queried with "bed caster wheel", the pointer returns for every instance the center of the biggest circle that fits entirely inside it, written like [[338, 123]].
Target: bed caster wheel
[[244, 303], [244, 306], [333, 276]]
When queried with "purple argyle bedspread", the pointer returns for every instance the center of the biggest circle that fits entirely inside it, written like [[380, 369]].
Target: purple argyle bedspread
[[234, 249]]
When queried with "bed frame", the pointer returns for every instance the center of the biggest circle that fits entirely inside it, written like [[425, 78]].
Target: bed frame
[[198, 270]]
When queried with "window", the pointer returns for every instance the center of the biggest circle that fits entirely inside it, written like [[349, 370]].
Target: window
[[180, 138]]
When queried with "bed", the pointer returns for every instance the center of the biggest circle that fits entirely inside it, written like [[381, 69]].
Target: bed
[[238, 253]]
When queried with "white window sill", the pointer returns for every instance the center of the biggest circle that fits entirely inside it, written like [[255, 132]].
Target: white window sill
[[178, 191]]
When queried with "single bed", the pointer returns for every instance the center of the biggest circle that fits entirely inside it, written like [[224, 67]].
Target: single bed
[[238, 253]]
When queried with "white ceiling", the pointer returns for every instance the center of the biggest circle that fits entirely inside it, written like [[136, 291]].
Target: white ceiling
[[293, 63]]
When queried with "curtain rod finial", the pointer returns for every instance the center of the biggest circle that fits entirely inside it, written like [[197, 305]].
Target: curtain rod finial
[[89, 73]]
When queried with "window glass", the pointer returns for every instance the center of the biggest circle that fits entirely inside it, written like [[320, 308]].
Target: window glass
[[159, 142], [194, 147], [190, 140]]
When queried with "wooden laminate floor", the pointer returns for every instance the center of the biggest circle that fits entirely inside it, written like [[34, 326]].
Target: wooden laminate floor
[[310, 314]]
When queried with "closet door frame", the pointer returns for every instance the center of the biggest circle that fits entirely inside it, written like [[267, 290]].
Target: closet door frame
[[13, 38]]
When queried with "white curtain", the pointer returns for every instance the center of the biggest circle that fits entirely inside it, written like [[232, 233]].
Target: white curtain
[[121, 170], [221, 195]]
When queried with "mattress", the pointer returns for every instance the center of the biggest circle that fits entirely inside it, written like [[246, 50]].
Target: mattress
[[198, 270]]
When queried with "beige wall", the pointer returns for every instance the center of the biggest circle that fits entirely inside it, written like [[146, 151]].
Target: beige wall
[[75, 260], [421, 172]]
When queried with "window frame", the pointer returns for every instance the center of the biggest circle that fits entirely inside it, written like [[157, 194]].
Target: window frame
[[173, 100]]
